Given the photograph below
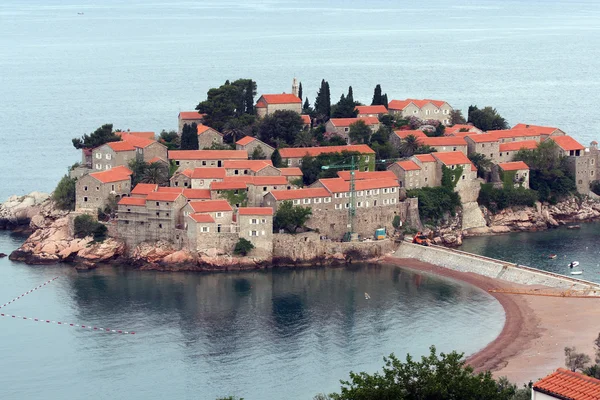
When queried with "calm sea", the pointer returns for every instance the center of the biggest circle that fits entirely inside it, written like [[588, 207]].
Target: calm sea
[[137, 64]]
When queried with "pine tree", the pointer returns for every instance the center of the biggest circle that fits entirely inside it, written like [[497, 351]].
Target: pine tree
[[189, 137], [377, 99], [300, 91]]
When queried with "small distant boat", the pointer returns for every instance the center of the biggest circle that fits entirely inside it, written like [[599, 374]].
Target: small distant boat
[[367, 297], [574, 227], [576, 272], [79, 13], [574, 264], [552, 256]]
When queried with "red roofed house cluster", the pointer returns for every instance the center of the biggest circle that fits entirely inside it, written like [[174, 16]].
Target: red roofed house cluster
[[423, 109]]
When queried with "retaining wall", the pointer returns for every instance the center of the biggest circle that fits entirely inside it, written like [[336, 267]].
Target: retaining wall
[[466, 262]]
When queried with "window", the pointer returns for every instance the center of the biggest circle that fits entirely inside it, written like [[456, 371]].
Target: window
[[393, 201], [112, 187], [98, 156], [446, 112], [366, 204], [437, 111], [296, 202], [359, 204], [347, 205], [317, 200], [160, 225], [107, 166], [219, 214], [338, 206], [167, 214], [592, 173], [427, 112], [205, 229], [254, 221], [306, 201], [98, 166], [176, 162], [376, 191], [346, 129], [500, 154], [385, 201], [327, 200], [374, 203], [157, 204], [264, 221], [85, 199], [482, 145], [289, 162], [347, 194], [592, 161], [97, 188], [452, 177], [393, 190], [368, 192], [338, 195], [454, 148], [85, 188], [108, 157], [264, 188], [463, 177], [245, 172], [204, 163], [415, 111], [253, 233], [158, 214], [235, 172], [366, 158], [359, 193], [385, 190], [454, 167]]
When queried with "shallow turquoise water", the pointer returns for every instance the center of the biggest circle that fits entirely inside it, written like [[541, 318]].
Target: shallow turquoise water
[[262, 335]]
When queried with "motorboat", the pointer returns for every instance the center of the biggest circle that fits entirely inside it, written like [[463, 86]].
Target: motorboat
[[552, 256], [576, 272], [574, 264], [367, 297]]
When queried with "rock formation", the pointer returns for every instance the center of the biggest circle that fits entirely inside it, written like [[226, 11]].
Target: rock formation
[[32, 211]]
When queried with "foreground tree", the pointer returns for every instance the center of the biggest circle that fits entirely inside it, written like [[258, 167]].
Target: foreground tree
[[377, 98], [289, 217], [100, 136], [243, 247], [280, 128], [189, 137], [486, 119], [345, 108], [64, 194], [276, 159], [576, 361], [482, 163], [409, 146], [359, 132], [456, 117], [228, 101], [170, 139], [323, 102]]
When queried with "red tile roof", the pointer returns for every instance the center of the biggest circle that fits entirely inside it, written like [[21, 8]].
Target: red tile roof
[[144, 188], [254, 165], [143, 135], [227, 185], [482, 138], [248, 179], [513, 166], [415, 132], [203, 128], [137, 141], [281, 195], [315, 151], [514, 133], [191, 115], [305, 119], [269, 180], [457, 127], [425, 158], [168, 189], [544, 130], [291, 171], [112, 175], [121, 146], [515, 146], [185, 172], [567, 143], [338, 185], [210, 206], [349, 121], [283, 98], [360, 175], [162, 196], [443, 141], [208, 173], [132, 201], [208, 155], [156, 159], [194, 194], [255, 211], [245, 140], [401, 104], [452, 158], [261, 104], [569, 385], [202, 218], [371, 109], [409, 165]]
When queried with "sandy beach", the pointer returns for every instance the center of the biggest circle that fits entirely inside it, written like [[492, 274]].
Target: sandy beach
[[536, 331]]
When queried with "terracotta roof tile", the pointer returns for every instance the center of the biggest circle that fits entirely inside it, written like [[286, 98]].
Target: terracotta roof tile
[[371, 109], [402, 104], [112, 175], [338, 185], [269, 180], [408, 165], [245, 140], [191, 115], [452, 158], [544, 130], [567, 143], [569, 385], [349, 121], [253, 165], [132, 201], [143, 135], [360, 175], [121, 146], [281, 195], [196, 194], [315, 151], [290, 171], [515, 146], [305, 119], [169, 189], [514, 133], [227, 185], [284, 98], [208, 173], [144, 188], [513, 166], [156, 159], [482, 138], [203, 128], [137, 141], [208, 155], [417, 133], [425, 158], [456, 128], [210, 206], [255, 211], [202, 218], [261, 104]]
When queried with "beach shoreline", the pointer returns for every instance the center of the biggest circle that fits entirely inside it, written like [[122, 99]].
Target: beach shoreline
[[536, 329]]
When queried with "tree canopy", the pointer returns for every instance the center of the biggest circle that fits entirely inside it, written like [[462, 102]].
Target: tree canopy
[[323, 102], [345, 108], [486, 119], [189, 137], [64, 194], [360, 132], [289, 217], [100, 136], [280, 128], [227, 102], [170, 139], [312, 166], [143, 172]]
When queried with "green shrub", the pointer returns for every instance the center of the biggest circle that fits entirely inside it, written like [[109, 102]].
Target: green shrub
[[86, 225], [243, 247], [434, 202], [595, 187], [64, 194], [499, 199], [396, 222]]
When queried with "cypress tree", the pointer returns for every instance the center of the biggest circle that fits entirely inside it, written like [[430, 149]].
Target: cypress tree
[[300, 91], [249, 97], [384, 100], [377, 99], [189, 137], [306, 106], [276, 159], [327, 105], [323, 101], [350, 97]]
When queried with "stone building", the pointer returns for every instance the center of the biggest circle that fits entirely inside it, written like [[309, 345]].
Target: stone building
[[445, 143], [269, 103], [361, 175], [256, 225], [93, 191], [423, 109], [428, 174], [182, 178], [565, 384], [516, 135], [315, 198], [341, 126], [485, 144], [219, 210], [371, 111], [581, 163], [148, 135], [544, 131], [291, 173], [508, 150], [467, 185], [186, 159], [520, 171], [188, 117], [202, 178], [396, 137], [306, 121], [114, 154], [255, 187], [408, 174], [251, 144], [461, 130], [142, 190], [208, 136], [250, 167], [292, 157], [368, 192]]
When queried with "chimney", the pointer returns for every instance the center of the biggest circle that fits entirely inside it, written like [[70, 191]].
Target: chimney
[[295, 87]]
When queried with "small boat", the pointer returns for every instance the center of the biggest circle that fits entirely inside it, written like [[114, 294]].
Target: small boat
[[79, 13], [367, 297], [574, 264], [576, 272], [552, 256]]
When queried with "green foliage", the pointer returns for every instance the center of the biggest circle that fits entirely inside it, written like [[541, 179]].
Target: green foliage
[[236, 198], [576, 361], [323, 102], [300, 91], [486, 119], [85, 225], [387, 120], [450, 177], [243, 247], [396, 222], [228, 102], [378, 98], [498, 199], [297, 182], [109, 210], [189, 137], [549, 173], [143, 172], [482, 163], [312, 166], [280, 128], [74, 166], [100, 136], [345, 108], [64, 194], [456, 117], [169, 139], [289, 217], [409, 146], [305, 139], [306, 108], [595, 187], [258, 154], [276, 159], [509, 179], [434, 202], [359, 132], [443, 376]]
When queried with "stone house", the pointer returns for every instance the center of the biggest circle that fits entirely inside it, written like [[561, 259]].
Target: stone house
[[361, 175], [93, 191], [269, 103], [341, 126], [508, 150], [485, 144], [255, 187], [565, 384], [182, 178], [186, 159], [368, 192], [113, 154], [164, 215], [396, 137], [428, 173], [516, 135], [148, 150], [250, 167], [582, 165], [445, 143], [208, 136], [461, 130], [306, 121], [188, 117], [315, 198], [544, 131], [520, 171], [202, 178], [225, 189], [408, 174], [467, 185], [219, 210], [256, 225], [292, 157], [142, 190], [132, 220], [370, 111], [250, 144], [422, 109], [291, 173], [196, 194]]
